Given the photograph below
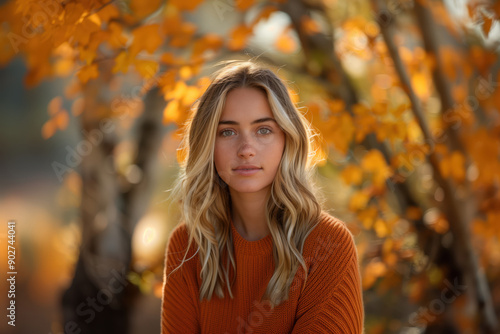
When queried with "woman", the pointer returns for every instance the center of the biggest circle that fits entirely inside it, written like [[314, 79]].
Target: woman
[[255, 253]]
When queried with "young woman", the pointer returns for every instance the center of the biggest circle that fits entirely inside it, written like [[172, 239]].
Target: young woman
[[255, 252]]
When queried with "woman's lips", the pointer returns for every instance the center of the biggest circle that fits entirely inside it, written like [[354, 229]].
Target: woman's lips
[[247, 172]]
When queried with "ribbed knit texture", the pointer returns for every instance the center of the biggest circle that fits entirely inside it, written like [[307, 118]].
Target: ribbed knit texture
[[330, 302]]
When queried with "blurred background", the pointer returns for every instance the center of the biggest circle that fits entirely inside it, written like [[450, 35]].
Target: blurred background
[[92, 94]]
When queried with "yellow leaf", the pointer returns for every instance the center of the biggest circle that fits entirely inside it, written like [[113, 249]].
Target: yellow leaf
[[122, 62], [88, 72], [359, 200], [381, 228], [177, 92], [367, 216], [143, 8], [421, 84], [171, 112], [340, 131], [373, 161], [146, 68], [185, 72], [146, 38], [64, 67], [352, 175], [190, 96]]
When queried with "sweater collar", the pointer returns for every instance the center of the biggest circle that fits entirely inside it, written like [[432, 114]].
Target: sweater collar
[[244, 247]]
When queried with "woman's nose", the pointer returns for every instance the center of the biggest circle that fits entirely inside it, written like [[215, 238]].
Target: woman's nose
[[246, 148]]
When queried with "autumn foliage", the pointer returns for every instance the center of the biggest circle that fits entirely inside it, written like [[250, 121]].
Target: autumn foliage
[[412, 154]]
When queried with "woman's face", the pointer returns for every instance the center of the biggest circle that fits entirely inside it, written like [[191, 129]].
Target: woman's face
[[249, 143]]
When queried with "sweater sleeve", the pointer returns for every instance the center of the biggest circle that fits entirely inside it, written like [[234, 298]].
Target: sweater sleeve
[[179, 300], [331, 301]]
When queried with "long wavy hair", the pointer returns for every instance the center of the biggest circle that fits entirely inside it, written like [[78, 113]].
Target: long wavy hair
[[293, 208]]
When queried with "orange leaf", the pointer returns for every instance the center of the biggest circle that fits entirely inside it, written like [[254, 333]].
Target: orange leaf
[[77, 107], [244, 4], [146, 38], [421, 84], [54, 105], [172, 22], [188, 5], [264, 14], [373, 161], [182, 37], [108, 12], [285, 43], [177, 92], [48, 129], [238, 37], [122, 62], [381, 228], [352, 175], [486, 27], [62, 119], [207, 42], [372, 271], [359, 200], [146, 68], [190, 96], [309, 25], [171, 112], [367, 216], [143, 8], [116, 38], [168, 58], [88, 72]]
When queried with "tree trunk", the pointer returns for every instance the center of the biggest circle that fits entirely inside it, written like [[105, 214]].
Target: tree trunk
[[100, 297]]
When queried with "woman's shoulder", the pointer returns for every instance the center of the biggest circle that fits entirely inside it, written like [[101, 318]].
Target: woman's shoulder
[[331, 236], [179, 239]]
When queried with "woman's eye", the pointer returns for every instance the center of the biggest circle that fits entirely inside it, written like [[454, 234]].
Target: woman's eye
[[223, 132], [266, 129]]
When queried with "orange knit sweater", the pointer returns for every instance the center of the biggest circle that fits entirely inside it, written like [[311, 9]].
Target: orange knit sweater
[[330, 302]]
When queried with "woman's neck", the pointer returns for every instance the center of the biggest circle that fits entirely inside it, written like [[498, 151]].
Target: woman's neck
[[249, 215]]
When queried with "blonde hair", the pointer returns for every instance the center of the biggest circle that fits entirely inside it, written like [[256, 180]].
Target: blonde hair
[[293, 208]]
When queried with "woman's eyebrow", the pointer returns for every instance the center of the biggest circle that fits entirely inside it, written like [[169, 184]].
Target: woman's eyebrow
[[260, 120]]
